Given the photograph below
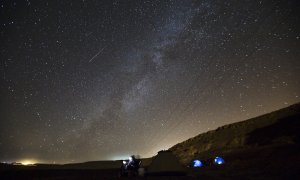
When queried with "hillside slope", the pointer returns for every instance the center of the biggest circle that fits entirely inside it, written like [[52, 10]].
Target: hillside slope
[[268, 144], [279, 127]]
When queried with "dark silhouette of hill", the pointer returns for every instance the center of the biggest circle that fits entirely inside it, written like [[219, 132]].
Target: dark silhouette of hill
[[266, 146]]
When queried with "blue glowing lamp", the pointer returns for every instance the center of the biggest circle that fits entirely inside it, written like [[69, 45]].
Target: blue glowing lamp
[[219, 160], [197, 163]]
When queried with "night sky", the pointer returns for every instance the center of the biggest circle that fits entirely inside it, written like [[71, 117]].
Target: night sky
[[97, 80]]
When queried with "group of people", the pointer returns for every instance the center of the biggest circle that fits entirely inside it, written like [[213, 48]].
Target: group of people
[[131, 167]]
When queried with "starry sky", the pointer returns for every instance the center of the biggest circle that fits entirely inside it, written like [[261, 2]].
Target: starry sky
[[100, 80]]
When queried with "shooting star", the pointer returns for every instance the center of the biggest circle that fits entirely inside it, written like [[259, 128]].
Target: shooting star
[[88, 34], [96, 55]]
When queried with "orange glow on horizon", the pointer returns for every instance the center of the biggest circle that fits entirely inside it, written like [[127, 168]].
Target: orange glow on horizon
[[28, 162]]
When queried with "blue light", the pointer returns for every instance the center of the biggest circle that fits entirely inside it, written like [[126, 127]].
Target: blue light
[[197, 163], [219, 160]]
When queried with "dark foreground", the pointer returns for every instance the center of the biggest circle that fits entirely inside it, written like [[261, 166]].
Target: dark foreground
[[282, 162], [73, 174], [58, 174]]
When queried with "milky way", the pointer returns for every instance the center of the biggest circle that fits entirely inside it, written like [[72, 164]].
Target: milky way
[[95, 80]]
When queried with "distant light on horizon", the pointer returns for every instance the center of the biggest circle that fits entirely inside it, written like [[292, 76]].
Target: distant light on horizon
[[27, 162], [120, 157]]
